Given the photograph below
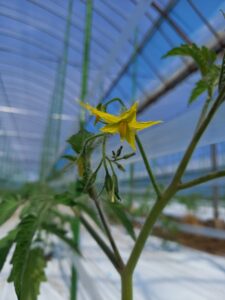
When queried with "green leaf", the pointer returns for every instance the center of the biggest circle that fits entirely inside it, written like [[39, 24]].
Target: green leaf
[[119, 213], [5, 246], [65, 199], [202, 56], [32, 276], [7, 208], [205, 59], [200, 87], [182, 50], [20, 259], [222, 75], [77, 140]]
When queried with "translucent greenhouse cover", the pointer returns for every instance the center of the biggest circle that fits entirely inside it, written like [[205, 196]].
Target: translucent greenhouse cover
[[42, 45]]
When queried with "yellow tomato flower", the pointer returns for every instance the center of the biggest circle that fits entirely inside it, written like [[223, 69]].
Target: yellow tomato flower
[[125, 124]]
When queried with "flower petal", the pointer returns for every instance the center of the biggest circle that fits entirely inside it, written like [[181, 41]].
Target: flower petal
[[130, 138], [111, 128], [123, 128], [103, 115], [143, 125], [130, 114]]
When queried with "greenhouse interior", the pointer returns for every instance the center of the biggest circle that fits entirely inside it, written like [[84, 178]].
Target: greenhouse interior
[[112, 150]]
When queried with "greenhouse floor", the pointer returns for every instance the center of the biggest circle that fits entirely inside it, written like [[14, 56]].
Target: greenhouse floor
[[166, 271]]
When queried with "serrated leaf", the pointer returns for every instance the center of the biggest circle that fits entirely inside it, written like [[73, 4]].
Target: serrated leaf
[[5, 246], [65, 199], [32, 276], [118, 212], [7, 208], [77, 140], [205, 59], [202, 56], [20, 259], [222, 75], [200, 87], [183, 50]]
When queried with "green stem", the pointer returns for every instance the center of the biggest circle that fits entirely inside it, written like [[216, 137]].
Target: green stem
[[144, 233], [90, 139], [147, 166], [126, 286], [172, 188], [198, 134], [115, 100], [203, 112]]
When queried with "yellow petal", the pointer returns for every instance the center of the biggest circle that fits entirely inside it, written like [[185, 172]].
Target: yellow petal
[[130, 114], [130, 138], [123, 128], [111, 128], [103, 115], [143, 125]]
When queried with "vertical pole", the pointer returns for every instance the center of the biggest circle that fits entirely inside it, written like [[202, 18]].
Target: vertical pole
[[215, 188], [53, 127], [84, 89], [134, 75], [86, 57]]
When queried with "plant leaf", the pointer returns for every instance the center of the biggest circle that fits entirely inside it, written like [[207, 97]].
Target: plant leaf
[[65, 199], [200, 87], [7, 208], [20, 259], [222, 75], [32, 276], [202, 56], [5, 246], [77, 140]]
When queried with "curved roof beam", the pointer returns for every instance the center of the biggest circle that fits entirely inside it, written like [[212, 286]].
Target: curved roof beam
[[62, 16], [139, 49], [121, 41], [34, 23], [67, 99]]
